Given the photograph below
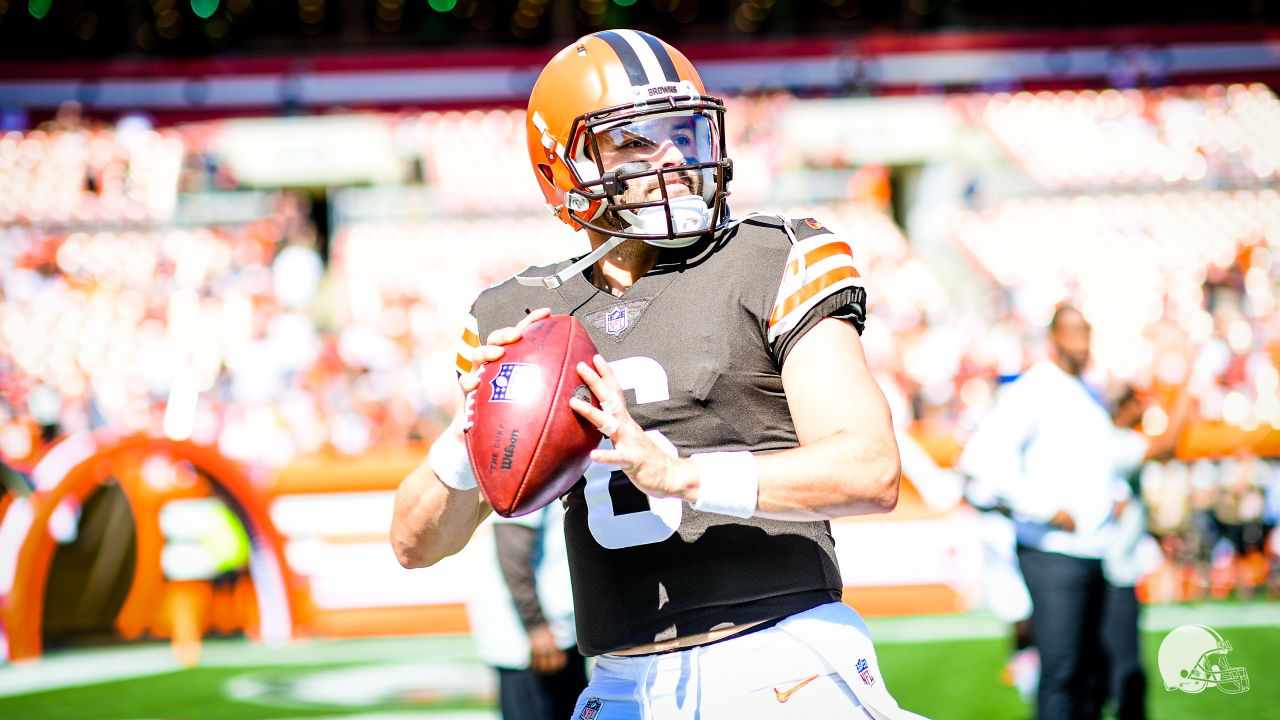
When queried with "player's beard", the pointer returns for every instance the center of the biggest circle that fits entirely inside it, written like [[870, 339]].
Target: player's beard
[[641, 190], [632, 252]]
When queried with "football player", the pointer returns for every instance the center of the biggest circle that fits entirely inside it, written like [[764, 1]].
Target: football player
[[737, 411]]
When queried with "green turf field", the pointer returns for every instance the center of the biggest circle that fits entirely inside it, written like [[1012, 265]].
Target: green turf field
[[946, 667], [961, 679]]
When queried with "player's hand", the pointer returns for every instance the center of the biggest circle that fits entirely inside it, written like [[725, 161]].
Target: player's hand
[[650, 469], [545, 656], [492, 348], [490, 351], [1063, 520]]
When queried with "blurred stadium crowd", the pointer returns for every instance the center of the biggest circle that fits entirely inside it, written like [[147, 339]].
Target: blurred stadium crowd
[[285, 334]]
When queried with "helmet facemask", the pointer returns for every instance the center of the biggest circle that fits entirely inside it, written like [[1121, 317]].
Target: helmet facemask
[[654, 171], [1216, 671]]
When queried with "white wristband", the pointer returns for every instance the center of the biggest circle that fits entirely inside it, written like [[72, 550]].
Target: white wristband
[[448, 459], [728, 483]]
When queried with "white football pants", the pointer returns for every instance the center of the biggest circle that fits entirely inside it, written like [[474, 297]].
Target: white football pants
[[819, 663]]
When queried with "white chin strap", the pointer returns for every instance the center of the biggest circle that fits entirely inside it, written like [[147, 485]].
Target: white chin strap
[[551, 282], [689, 213]]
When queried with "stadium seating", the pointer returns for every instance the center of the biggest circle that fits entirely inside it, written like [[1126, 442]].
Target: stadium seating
[[1137, 138]]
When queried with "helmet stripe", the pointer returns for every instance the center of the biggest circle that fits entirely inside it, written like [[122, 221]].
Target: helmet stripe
[[627, 54], [664, 57], [648, 58]]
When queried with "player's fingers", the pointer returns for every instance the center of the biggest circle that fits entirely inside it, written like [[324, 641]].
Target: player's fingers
[[626, 452], [531, 318], [503, 336], [508, 335], [602, 389], [487, 353], [589, 375], [613, 405], [594, 382], [469, 382], [582, 407], [606, 423], [602, 368], [479, 356], [608, 457], [589, 412], [606, 372]]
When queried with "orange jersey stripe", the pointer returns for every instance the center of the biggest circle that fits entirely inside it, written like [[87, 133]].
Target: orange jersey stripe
[[813, 287], [813, 257], [470, 338], [464, 365]]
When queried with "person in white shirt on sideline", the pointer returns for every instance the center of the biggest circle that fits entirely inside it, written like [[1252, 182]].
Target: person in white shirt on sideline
[[1047, 449], [522, 618]]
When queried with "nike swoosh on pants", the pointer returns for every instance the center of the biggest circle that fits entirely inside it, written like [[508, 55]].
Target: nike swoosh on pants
[[785, 696]]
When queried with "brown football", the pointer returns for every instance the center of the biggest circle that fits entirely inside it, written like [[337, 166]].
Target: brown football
[[527, 446]]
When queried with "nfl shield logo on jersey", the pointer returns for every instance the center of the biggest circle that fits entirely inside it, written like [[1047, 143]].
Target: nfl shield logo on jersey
[[864, 672], [516, 382], [616, 321], [591, 709]]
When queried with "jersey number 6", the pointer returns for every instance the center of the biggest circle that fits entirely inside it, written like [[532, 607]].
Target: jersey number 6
[[607, 488]]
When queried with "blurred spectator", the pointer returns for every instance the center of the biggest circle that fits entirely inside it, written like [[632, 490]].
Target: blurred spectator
[[205, 549], [1120, 676], [1045, 448], [522, 617]]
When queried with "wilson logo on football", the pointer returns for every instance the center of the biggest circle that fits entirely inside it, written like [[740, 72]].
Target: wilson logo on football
[[516, 383]]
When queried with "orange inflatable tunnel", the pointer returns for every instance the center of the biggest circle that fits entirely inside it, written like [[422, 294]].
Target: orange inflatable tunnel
[[78, 465]]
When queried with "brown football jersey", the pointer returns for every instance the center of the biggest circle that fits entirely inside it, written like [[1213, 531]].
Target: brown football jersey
[[698, 344]]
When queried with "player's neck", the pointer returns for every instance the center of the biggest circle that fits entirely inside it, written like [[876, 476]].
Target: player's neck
[[622, 266]]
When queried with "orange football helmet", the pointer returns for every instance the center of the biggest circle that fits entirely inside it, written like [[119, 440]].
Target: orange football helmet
[[627, 95]]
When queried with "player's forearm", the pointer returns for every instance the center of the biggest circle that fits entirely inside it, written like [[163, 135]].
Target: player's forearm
[[845, 474], [847, 462], [841, 475], [432, 521]]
